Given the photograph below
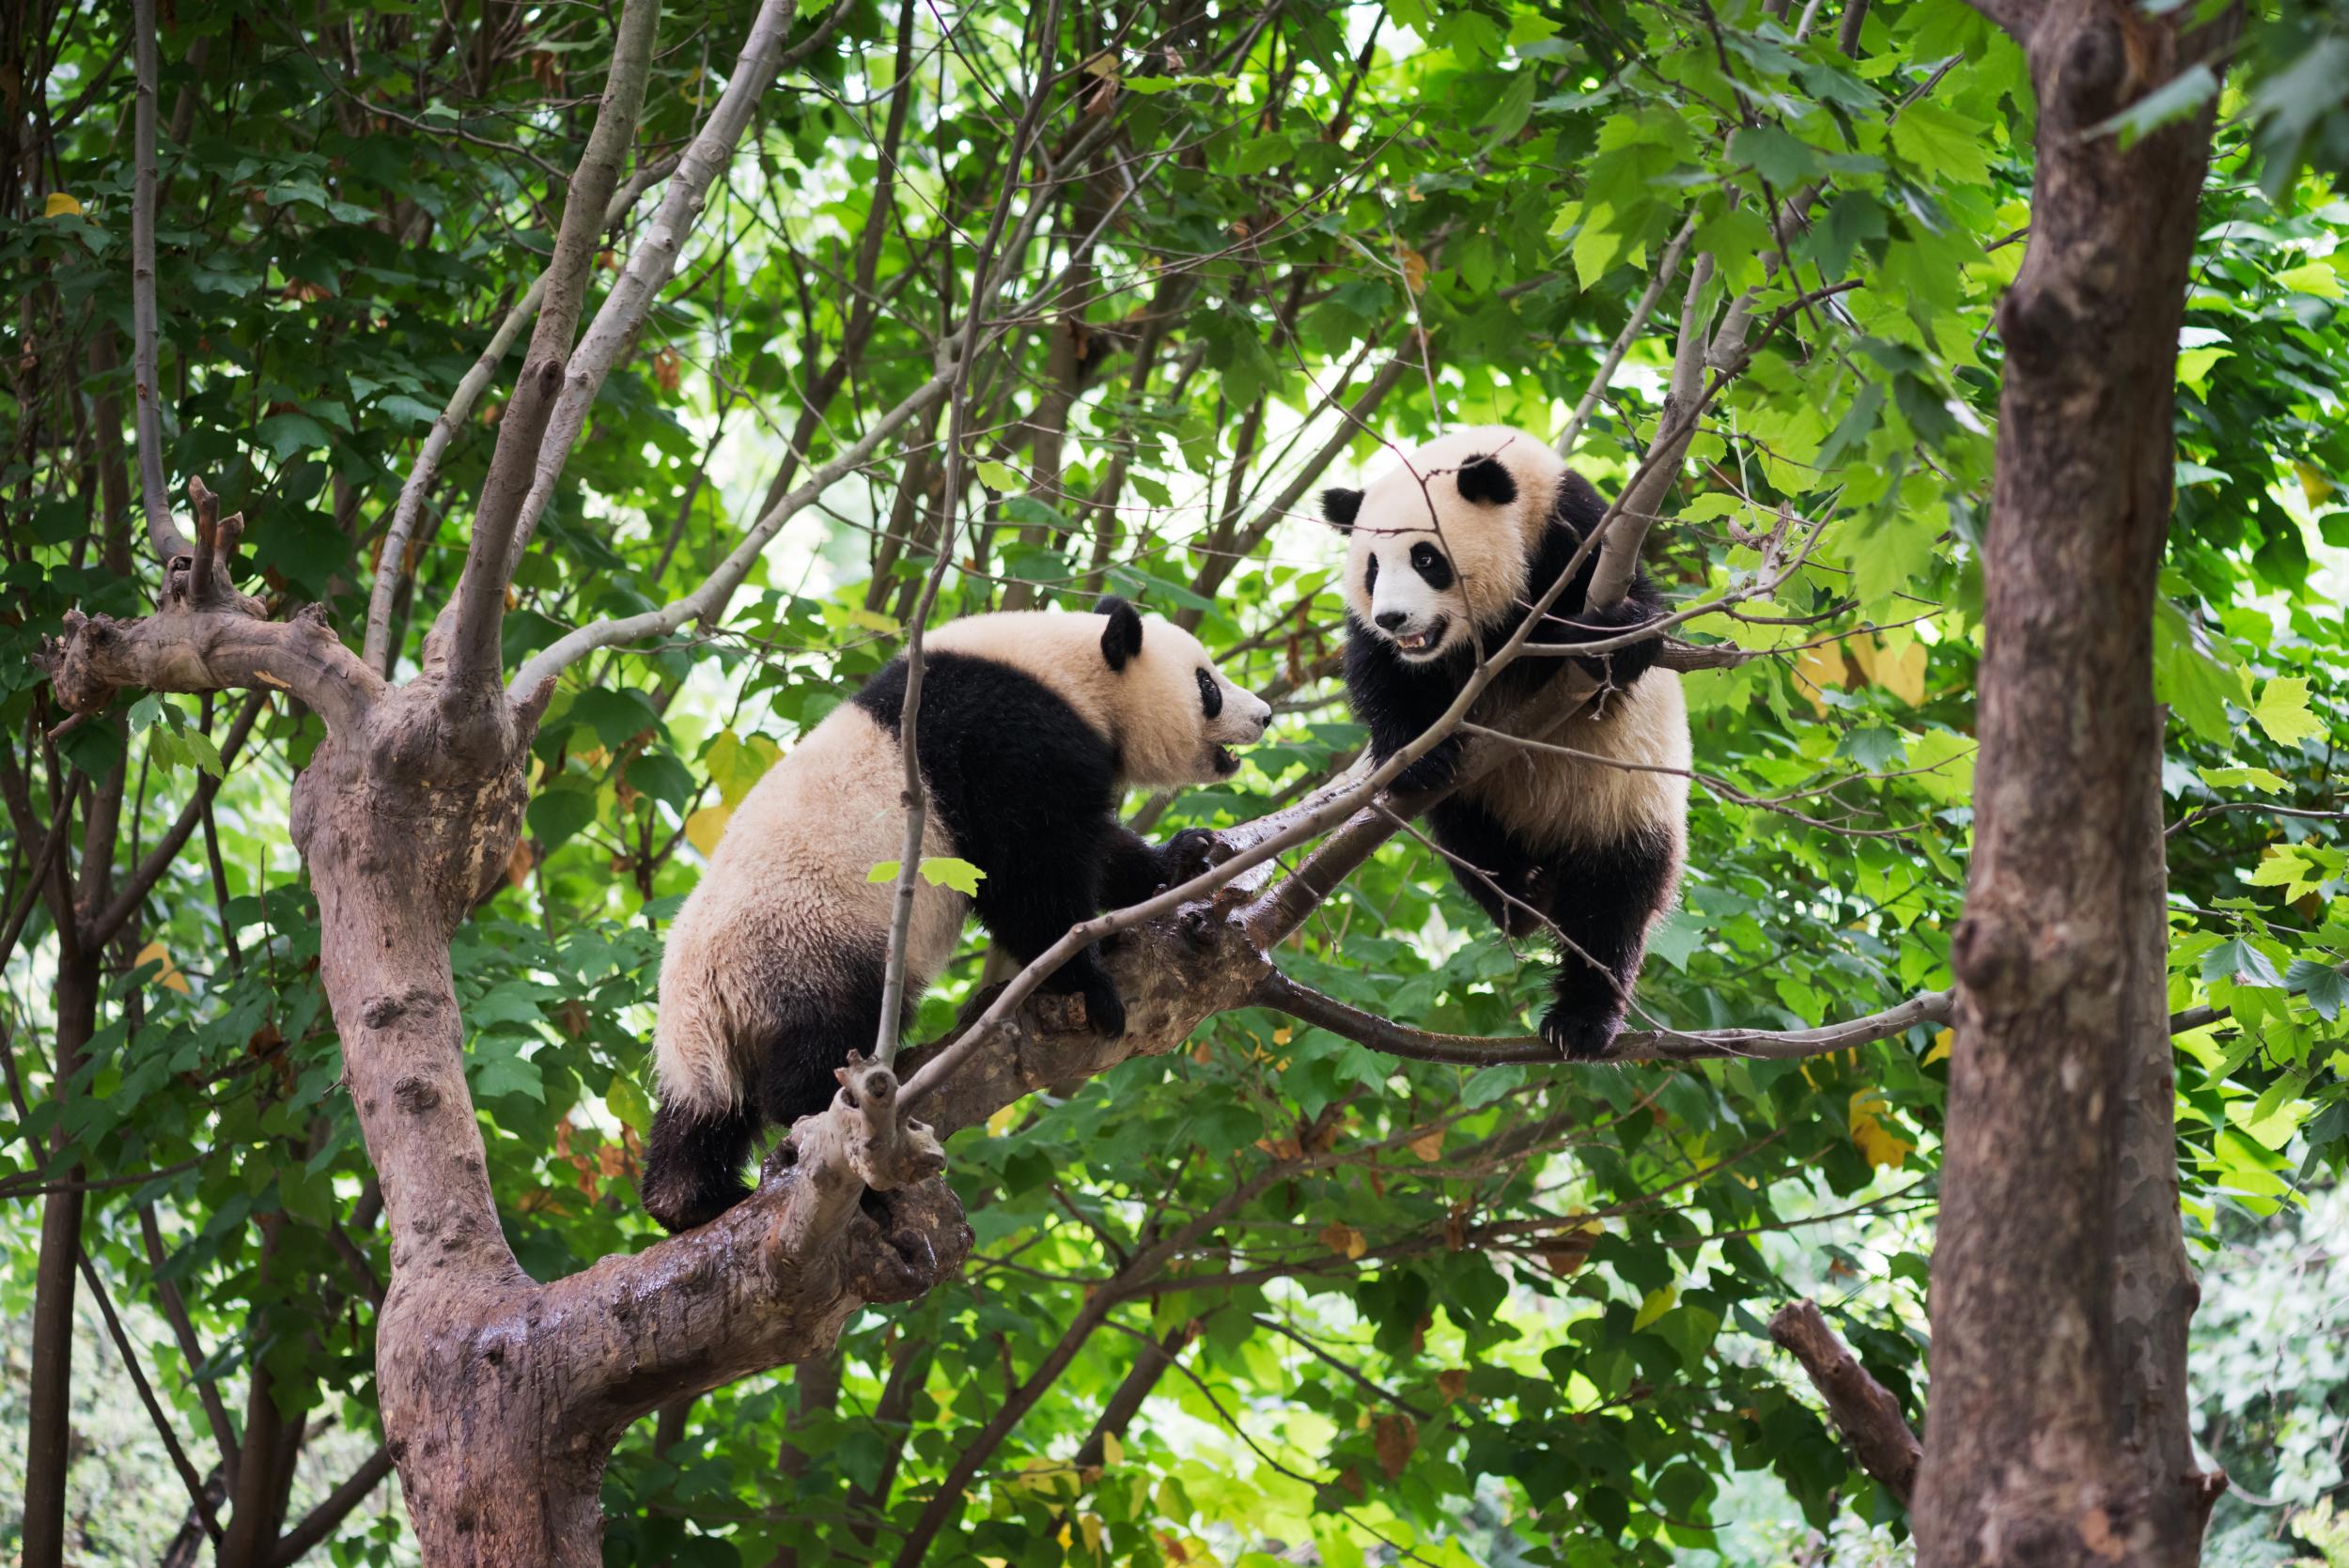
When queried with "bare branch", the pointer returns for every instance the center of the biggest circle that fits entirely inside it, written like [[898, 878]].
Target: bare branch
[[914, 796], [178, 1455], [1666, 269], [1636, 506], [180, 649], [1865, 1408], [654, 259], [319, 1523], [162, 534], [1281, 993], [478, 608], [391, 561]]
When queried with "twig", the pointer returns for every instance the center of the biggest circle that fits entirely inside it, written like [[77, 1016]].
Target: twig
[[915, 797], [1665, 270], [1284, 995]]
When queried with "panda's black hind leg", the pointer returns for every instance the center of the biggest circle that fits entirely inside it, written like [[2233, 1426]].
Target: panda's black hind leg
[[693, 1163], [1601, 900]]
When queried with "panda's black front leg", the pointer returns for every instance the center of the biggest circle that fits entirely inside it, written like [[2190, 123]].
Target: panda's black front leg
[[1618, 667], [1030, 906], [1134, 869]]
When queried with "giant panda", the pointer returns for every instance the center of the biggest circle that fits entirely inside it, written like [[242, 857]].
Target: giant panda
[[1032, 724], [1448, 550]]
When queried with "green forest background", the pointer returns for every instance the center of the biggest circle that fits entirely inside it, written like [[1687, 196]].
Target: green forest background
[[1513, 1316]]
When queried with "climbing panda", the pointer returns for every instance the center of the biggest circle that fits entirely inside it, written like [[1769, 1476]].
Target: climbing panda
[[1032, 726], [1447, 549]]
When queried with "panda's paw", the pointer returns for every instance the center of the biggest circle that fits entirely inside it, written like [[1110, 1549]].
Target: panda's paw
[[1579, 1036], [1189, 853], [1105, 1010]]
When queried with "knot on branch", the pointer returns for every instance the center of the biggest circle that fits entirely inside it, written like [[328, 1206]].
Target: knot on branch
[[884, 1151], [71, 662], [205, 580]]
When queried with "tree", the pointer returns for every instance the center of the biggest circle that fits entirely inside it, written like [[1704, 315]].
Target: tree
[[1050, 302]]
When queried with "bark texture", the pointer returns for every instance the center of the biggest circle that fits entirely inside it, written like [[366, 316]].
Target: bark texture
[[2057, 1432], [1865, 1408]]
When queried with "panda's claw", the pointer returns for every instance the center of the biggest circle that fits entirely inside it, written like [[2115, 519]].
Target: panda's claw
[[1189, 853], [1579, 1036]]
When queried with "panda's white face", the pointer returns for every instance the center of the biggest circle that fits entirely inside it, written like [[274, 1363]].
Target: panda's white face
[[1439, 542], [1145, 683]]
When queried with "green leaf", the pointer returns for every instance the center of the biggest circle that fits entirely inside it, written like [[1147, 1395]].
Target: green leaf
[[1491, 1083], [1778, 157], [1946, 142], [2237, 961], [2325, 985], [2282, 712], [2232, 778], [945, 871], [662, 777], [881, 871], [558, 812], [998, 476], [287, 434]]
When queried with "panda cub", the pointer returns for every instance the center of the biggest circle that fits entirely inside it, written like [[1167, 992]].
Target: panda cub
[[1032, 724], [1448, 550]]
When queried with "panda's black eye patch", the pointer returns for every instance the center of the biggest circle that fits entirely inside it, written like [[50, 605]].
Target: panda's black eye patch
[[1211, 694], [1429, 563], [1370, 576]]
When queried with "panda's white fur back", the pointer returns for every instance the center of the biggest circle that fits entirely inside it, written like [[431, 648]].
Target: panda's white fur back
[[786, 897]]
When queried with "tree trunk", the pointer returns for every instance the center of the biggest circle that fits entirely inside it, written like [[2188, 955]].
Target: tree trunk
[[2057, 1427], [50, 1400]]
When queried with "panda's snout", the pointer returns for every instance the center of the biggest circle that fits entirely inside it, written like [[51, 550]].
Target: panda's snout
[[1390, 620]]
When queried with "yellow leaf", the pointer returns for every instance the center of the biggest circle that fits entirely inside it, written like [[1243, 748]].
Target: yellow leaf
[[1340, 1237], [1112, 1451], [1903, 673], [706, 827], [1414, 268], [168, 975], [1883, 1148], [1001, 1122], [1280, 1035], [60, 206], [1941, 1044], [2314, 485], [1818, 668], [1090, 1524], [1428, 1145], [1658, 1303]]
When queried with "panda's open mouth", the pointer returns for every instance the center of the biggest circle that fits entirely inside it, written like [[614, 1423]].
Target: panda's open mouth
[[1423, 642], [1226, 761]]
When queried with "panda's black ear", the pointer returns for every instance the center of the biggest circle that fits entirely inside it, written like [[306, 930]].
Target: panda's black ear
[[1339, 509], [1483, 480], [1121, 640]]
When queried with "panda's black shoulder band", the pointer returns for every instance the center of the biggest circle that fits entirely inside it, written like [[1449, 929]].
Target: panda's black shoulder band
[[1486, 482], [1121, 640]]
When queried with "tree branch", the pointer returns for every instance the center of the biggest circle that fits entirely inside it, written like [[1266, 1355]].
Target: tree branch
[[1865, 1408], [479, 606], [654, 259], [162, 534], [1666, 269], [1281, 993], [391, 561], [319, 1523], [189, 648]]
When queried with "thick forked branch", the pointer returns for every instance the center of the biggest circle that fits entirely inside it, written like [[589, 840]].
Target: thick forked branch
[[1865, 1408], [188, 648], [479, 606], [162, 535]]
